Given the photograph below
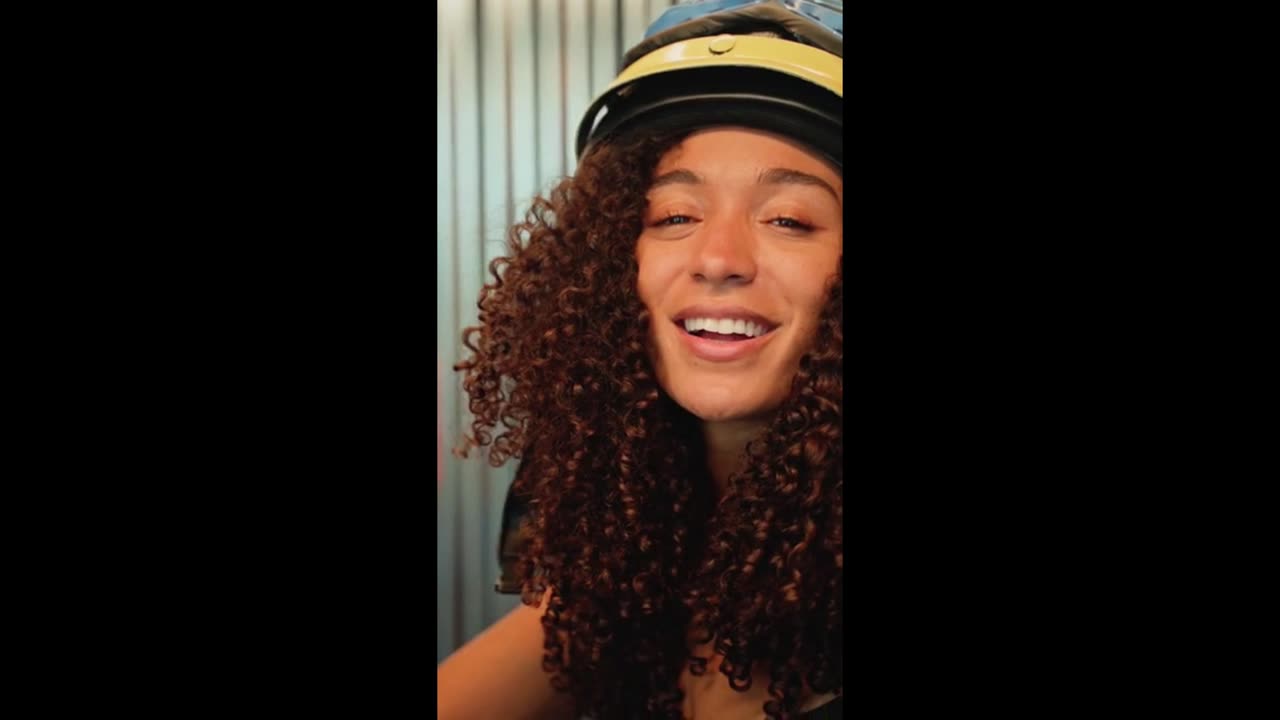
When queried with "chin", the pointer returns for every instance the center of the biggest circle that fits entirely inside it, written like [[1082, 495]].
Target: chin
[[717, 414], [722, 407]]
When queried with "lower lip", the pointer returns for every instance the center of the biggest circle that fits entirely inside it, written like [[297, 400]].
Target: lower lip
[[722, 350]]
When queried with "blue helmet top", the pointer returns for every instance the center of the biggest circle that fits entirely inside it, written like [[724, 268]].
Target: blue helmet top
[[828, 13]]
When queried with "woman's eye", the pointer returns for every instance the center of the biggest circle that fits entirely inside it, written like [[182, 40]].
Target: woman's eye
[[675, 220], [790, 223]]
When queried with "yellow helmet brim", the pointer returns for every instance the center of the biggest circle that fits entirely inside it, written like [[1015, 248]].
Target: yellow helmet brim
[[755, 81], [791, 58]]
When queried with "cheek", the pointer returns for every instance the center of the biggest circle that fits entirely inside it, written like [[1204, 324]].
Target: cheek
[[655, 274], [814, 303], [645, 289], [807, 289]]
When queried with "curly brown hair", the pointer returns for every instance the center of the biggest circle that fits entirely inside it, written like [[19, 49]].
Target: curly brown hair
[[614, 471]]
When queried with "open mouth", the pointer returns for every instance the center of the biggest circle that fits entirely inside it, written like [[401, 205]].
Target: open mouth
[[724, 329]]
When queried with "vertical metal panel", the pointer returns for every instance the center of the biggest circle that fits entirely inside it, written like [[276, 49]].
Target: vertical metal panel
[[576, 39], [604, 54], [552, 124], [446, 307], [493, 118], [475, 77], [459, 516], [523, 119], [514, 78]]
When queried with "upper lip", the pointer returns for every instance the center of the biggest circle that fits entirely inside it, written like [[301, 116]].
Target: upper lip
[[731, 312]]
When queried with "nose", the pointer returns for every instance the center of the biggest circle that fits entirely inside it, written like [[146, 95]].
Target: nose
[[725, 255]]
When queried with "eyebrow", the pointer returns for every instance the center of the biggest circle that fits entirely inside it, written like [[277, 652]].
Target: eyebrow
[[772, 176], [676, 177], [787, 176]]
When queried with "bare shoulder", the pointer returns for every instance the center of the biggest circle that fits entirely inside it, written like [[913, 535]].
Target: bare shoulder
[[499, 674]]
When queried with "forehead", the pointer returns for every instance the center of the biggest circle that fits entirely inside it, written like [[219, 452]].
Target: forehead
[[741, 151]]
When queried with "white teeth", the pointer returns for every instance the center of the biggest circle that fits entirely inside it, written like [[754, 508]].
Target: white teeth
[[723, 326]]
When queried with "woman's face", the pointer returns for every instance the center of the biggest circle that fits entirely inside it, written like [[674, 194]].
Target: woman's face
[[742, 233]]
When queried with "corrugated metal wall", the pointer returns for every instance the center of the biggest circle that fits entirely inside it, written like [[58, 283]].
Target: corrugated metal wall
[[513, 79]]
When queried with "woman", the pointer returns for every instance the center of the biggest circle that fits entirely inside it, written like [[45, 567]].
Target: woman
[[663, 349]]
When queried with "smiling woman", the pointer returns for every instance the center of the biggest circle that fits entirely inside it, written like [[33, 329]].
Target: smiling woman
[[662, 349], [742, 233]]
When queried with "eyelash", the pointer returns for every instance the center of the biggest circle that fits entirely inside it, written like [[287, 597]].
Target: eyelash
[[674, 216], [786, 223], [790, 223]]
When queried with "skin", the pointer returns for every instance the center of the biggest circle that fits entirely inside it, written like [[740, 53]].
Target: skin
[[499, 674], [715, 235], [738, 218]]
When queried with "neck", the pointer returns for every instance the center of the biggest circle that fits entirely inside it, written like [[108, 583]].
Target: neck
[[726, 444]]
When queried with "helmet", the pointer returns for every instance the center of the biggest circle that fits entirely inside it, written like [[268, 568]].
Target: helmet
[[775, 65]]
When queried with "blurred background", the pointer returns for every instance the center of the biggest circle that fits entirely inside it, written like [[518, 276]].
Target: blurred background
[[513, 79]]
